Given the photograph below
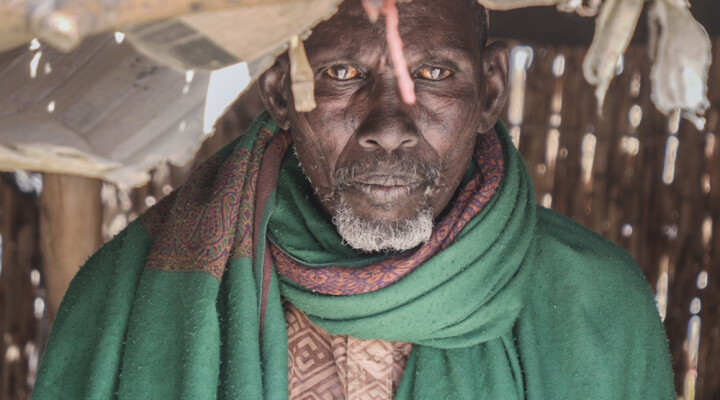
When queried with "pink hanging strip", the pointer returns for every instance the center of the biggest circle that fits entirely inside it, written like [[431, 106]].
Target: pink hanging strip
[[389, 10]]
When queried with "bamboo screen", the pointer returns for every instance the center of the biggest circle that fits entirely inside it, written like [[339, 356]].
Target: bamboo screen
[[649, 183]]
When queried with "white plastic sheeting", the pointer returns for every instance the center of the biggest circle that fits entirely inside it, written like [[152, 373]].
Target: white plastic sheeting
[[105, 111]]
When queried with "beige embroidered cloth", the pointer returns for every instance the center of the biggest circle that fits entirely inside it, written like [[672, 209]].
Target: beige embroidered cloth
[[334, 367]]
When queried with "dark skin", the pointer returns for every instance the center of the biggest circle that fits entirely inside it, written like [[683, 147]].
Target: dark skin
[[460, 89]]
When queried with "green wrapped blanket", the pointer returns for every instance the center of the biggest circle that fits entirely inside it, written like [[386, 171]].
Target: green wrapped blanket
[[185, 303]]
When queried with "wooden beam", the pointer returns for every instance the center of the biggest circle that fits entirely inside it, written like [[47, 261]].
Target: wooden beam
[[63, 24]]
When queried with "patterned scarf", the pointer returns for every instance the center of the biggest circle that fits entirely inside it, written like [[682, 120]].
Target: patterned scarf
[[343, 280]]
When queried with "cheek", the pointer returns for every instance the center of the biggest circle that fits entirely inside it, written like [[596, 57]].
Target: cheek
[[338, 112], [450, 126], [318, 139]]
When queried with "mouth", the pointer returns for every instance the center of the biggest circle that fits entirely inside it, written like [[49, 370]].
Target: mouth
[[386, 183], [386, 189]]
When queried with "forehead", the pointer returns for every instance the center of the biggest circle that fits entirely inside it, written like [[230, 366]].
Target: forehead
[[426, 26]]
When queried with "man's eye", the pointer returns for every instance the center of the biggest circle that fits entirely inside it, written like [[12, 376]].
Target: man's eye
[[434, 73], [342, 72]]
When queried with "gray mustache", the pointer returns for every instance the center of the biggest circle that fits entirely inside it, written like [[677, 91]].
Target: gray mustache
[[398, 169]]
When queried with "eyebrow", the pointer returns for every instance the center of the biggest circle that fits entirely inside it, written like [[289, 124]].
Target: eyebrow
[[450, 56], [438, 61], [323, 61]]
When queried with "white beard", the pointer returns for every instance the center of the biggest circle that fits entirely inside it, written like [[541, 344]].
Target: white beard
[[375, 236]]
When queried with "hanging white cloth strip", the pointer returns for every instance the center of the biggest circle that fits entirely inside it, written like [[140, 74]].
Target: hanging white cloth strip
[[614, 28], [680, 49], [301, 76]]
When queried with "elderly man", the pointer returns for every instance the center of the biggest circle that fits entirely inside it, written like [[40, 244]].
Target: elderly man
[[368, 249]]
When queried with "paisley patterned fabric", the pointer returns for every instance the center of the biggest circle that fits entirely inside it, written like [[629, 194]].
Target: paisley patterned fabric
[[340, 280], [219, 200]]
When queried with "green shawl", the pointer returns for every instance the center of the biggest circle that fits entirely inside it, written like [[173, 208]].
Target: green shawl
[[522, 304]]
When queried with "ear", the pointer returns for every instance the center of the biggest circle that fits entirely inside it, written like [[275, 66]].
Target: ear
[[496, 65], [273, 85]]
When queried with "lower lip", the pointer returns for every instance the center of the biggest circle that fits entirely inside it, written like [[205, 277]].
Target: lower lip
[[386, 194]]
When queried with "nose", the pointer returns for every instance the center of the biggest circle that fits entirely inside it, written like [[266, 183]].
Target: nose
[[387, 129]]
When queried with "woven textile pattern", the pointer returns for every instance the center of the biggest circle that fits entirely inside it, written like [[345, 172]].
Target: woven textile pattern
[[336, 367], [219, 199]]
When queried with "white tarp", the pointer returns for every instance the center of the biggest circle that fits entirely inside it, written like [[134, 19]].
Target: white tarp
[[106, 110], [102, 111]]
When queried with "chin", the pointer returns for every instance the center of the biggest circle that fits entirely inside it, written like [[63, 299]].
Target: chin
[[383, 229], [397, 211]]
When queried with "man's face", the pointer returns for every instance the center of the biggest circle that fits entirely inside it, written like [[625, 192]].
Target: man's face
[[362, 148]]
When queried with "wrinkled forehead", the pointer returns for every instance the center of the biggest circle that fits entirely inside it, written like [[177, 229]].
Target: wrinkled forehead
[[425, 25]]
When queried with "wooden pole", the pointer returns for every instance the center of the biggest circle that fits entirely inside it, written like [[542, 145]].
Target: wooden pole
[[18, 325], [70, 230]]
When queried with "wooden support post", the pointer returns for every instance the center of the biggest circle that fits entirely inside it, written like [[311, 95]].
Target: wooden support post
[[70, 230], [18, 326]]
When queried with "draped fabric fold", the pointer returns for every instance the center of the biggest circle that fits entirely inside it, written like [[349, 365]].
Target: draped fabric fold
[[483, 247], [482, 253]]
